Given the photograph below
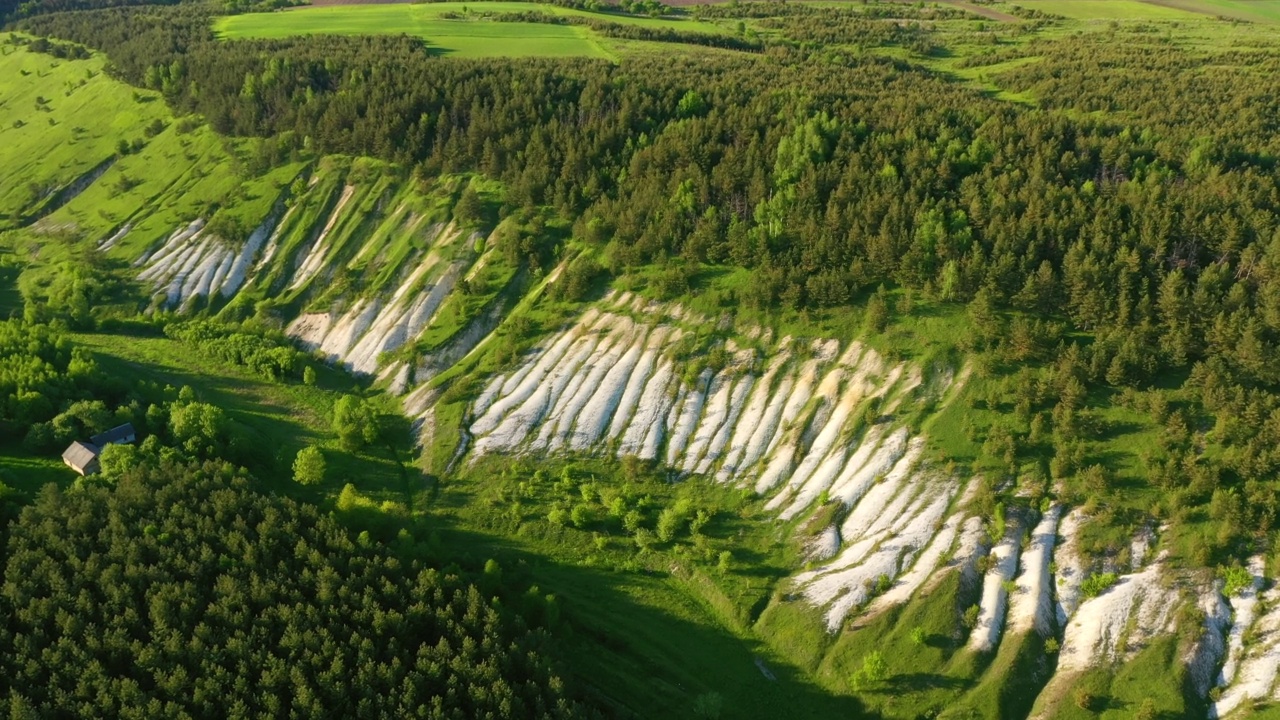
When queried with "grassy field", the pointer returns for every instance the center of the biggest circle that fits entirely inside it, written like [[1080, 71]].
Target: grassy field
[[1109, 9], [1258, 11], [474, 36]]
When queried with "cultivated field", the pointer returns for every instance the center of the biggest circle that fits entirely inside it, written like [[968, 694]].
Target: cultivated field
[[1264, 11]]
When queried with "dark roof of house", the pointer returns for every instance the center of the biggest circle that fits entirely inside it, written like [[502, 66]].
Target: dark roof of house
[[115, 434], [80, 454]]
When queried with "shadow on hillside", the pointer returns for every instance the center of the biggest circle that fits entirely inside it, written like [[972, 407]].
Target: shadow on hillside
[[633, 647]]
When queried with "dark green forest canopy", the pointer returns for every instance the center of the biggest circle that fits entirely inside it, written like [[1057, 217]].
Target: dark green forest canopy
[[182, 592]]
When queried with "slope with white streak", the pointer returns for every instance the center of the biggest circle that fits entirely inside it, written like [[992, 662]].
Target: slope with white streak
[[1032, 604], [991, 609], [797, 432]]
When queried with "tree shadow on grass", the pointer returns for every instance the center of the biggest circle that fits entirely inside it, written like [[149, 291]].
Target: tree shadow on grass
[[916, 682], [639, 648]]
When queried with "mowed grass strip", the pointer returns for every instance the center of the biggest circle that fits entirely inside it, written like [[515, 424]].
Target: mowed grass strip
[[475, 36]]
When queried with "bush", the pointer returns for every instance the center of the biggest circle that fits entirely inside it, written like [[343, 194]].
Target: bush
[[708, 705], [581, 516], [559, 516], [671, 520], [355, 421], [725, 562], [1096, 584], [874, 670], [1235, 580], [40, 439]]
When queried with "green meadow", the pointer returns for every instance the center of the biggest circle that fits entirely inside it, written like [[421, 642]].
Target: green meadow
[[450, 29]]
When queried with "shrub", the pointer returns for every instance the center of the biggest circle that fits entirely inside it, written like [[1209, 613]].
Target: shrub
[[874, 670], [725, 562], [1235, 579], [631, 521], [708, 705], [581, 515], [559, 516], [1096, 584]]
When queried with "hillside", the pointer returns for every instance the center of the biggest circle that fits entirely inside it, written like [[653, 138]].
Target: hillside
[[775, 360]]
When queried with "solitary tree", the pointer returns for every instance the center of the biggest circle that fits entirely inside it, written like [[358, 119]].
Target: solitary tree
[[355, 422], [309, 466]]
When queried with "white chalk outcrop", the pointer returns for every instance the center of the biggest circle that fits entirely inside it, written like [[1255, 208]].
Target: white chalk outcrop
[[995, 594], [1070, 566], [1117, 623], [1250, 673], [193, 264], [1031, 607]]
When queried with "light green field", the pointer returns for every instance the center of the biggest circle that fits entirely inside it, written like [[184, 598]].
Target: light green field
[[475, 36], [1259, 11], [1110, 10]]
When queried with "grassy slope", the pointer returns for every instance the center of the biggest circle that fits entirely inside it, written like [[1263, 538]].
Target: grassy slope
[[44, 146], [655, 628]]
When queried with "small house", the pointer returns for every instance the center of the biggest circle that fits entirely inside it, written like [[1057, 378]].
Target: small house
[[82, 457], [121, 434]]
